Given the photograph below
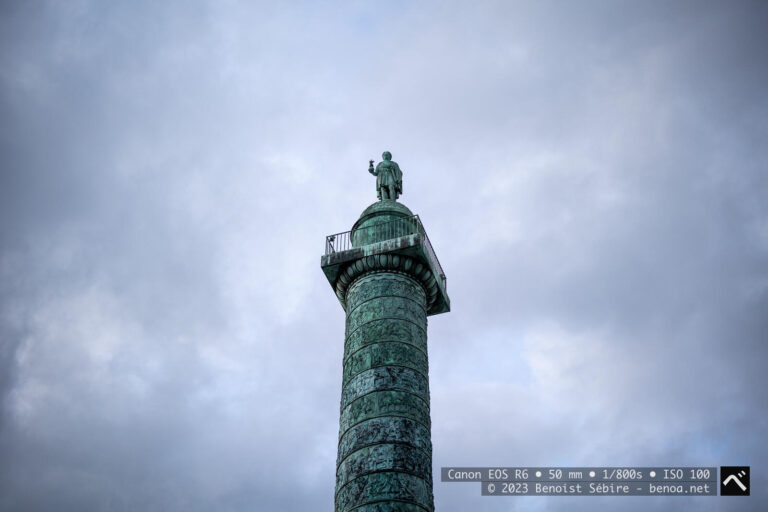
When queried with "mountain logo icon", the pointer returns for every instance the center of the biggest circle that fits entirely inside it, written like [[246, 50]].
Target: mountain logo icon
[[734, 480]]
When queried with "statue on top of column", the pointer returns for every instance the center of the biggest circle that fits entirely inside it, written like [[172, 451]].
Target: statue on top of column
[[389, 177]]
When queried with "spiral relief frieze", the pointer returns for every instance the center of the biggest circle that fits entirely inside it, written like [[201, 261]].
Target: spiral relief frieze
[[387, 353], [385, 452], [385, 378], [385, 430], [391, 486], [384, 329]]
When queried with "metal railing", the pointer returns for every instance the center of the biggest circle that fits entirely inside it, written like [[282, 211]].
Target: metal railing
[[380, 232]]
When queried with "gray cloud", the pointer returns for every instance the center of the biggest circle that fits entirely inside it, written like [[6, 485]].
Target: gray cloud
[[592, 176]]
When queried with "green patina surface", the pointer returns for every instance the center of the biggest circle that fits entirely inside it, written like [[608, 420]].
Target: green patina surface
[[385, 454], [389, 284], [389, 177], [394, 308], [383, 457], [385, 378], [393, 486], [387, 354], [384, 430], [385, 403], [381, 330]]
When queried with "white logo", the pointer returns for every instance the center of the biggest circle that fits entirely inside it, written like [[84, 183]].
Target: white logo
[[732, 478]]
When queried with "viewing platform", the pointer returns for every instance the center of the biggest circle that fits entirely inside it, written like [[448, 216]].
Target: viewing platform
[[401, 235]]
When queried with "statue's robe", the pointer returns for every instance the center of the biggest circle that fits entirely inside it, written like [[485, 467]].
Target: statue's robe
[[388, 174]]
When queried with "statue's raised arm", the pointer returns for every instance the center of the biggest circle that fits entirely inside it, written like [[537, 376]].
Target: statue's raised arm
[[389, 178]]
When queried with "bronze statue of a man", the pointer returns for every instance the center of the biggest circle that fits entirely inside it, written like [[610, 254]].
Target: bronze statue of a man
[[389, 177]]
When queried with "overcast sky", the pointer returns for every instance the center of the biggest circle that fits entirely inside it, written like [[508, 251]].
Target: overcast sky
[[593, 176]]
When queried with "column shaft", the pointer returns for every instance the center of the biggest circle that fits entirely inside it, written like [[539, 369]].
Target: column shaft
[[385, 453]]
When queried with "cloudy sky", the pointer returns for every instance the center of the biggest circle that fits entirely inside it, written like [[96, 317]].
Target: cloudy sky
[[593, 176]]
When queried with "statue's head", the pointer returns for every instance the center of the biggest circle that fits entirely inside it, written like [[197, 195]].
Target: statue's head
[[386, 155]]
